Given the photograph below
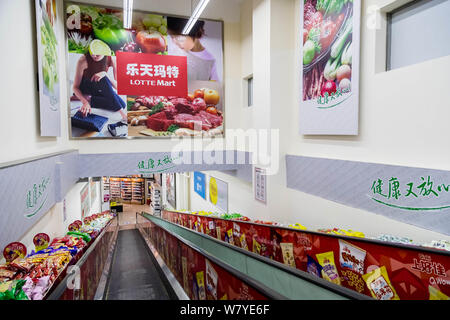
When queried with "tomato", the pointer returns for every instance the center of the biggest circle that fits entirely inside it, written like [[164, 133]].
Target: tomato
[[211, 110], [327, 33], [190, 97], [305, 35], [198, 93]]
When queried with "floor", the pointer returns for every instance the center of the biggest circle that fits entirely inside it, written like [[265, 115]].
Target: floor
[[133, 275], [127, 218]]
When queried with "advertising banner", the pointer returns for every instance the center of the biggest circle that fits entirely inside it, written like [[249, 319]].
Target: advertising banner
[[48, 69], [85, 201], [148, 80], [218, 193], [171, 189], [381, 270], [140, 74], [200, 184], [330, 67], [201, 279]]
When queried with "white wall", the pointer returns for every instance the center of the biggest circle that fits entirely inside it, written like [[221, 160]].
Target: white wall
[[405, 125]]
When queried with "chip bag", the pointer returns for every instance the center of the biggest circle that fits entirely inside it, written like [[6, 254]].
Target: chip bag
[[329, 270], [313, 267], [14, 291], [435, 294], [379, 284]]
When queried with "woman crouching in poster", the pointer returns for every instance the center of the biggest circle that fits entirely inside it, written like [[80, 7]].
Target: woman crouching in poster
[[93, 86], [200, 62]]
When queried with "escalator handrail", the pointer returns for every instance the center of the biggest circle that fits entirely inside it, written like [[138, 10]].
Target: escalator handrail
[[346, 292], [268, 292]]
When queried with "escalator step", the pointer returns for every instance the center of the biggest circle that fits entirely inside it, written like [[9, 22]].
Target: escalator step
[[133, 274]]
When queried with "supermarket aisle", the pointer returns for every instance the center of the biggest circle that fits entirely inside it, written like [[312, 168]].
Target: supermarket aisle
[[133, 275], [128, 216]]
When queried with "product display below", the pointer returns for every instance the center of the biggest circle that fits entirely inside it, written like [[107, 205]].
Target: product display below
[[385, 268], [31, 277]]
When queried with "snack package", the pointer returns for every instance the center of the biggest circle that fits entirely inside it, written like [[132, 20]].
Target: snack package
[[288, 253], [313, 267], [201, 285], [435, 294], [379, 284], [14, 291], [211, 280], [243, 241], [229, 236], [351, 257], [329, 271], [218, 235], [256, 246]]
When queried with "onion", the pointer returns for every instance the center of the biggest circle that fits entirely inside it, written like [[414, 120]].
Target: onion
[[345, 84], [343, 71]]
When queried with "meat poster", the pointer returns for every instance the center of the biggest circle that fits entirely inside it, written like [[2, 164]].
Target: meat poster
[[329, 59], [146, 80]]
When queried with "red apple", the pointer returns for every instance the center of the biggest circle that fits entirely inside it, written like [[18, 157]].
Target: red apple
[[151, 42]]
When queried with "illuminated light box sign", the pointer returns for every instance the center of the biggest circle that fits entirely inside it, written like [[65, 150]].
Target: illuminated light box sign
[[157, 75]]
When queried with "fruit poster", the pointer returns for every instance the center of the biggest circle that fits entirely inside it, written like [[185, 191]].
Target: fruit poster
[[48, 69], [329, 62], [99, 47]]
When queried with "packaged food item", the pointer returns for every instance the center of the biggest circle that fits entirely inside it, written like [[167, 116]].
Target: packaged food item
[[256, 245], [229, 236], [329, 270], [201, 285], [14, 250], [5, 273], [218, 234], [14, 291], [243, 242], [351, 257], [297, 226], [41, 241], [313, 267], [435, 294], [288, 253], [211, 280], [379, 284]]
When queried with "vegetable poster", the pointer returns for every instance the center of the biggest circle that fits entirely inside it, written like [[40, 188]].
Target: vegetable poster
[[330, 67], [143, 80], [47, 51]]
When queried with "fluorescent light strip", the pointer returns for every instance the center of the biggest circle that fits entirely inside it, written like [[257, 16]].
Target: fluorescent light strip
[[127, 13], [195, 15]]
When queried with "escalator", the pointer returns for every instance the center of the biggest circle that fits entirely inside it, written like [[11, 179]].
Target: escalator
[[133, 274]]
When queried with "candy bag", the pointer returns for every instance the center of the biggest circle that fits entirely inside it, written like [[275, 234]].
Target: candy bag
[[379, 284], [329, 271], [14, 291], [435, 294], [313, 267]]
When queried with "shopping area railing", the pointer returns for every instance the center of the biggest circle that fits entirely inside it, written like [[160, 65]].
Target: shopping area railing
[[365, 267], [287, 282], [200, 274], [86, 278]]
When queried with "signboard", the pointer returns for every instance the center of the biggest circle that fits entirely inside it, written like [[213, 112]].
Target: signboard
[[85, 201], [142, 74], [379, 270], [48, 69], [218, 193], [416, 196], [330, 67], [146, 81], [201, 279], [200, 184], [260, 184], [171, 189]]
